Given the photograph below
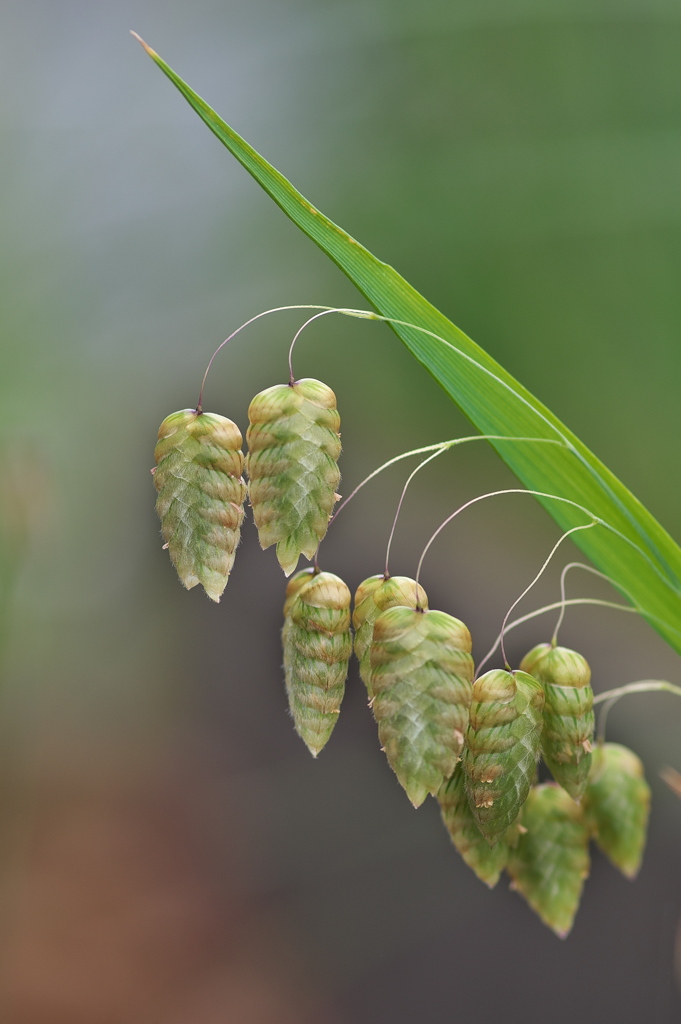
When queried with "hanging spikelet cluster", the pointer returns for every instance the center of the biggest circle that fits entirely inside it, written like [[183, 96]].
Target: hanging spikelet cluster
[[486, 861], [293, 450], [421, 679], [568, 715], [317, 647], [617, 804], [502, 747], [200, 496], [551, 858], [472, 743], [372, 597]]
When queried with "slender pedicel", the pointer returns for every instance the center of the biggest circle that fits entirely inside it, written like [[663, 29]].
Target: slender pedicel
[[610, 697], [550, 608]]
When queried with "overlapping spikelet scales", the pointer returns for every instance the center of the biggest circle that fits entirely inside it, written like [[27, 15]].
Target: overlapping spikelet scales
[[486, 861], [293, 448], [568, 715], [200, 496], [317, 648], [421, 677], [373, 596], [551, 858], [502, 746], [616, 806]]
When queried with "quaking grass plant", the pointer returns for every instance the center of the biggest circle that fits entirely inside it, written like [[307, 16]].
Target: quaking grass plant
[[470, 740]]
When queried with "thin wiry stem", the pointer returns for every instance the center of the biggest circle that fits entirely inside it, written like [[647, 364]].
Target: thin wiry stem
[[572, 565], [362, 314], [610, 697], [550, 608], [399, 504], [575, 529], [441, 445], [495, 494], [325, 312]]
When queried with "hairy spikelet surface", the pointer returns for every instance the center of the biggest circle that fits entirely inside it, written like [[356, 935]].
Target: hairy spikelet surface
[[317, 647], [421, 677], [200, 496], [502, 747], [568, 715], [373, 596], [551, 858], [486, 861], [616, 806], [293, 450]]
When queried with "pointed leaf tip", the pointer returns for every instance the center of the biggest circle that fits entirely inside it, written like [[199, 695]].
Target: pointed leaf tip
[[152, 53]]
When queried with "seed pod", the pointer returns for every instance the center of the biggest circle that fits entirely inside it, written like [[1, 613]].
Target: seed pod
[[317, 647], [502, 746], [374, 596], [421, 677], [200, 496], [486, 861], [568, 715], [293, 448], [551, 859], [616, 806]]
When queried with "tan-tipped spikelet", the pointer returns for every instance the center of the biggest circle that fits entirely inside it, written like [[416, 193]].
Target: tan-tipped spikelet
[[293, 450], [550, 861], [373, 596], [317, 647], [486, 861], [568, 715], [200, 496], [502, 746], [421, 677], [616, 806]]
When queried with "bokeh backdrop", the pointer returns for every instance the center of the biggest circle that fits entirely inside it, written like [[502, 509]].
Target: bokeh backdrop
[[169, 852]]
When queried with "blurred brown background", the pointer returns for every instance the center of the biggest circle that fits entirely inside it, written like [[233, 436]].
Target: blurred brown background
[[169, 852]]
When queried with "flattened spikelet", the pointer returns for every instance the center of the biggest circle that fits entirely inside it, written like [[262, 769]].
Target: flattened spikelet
[[616, 806], [486, 861], [568, 715], [551, 858], [373, 596], [502, 746], [421, 677], [293, 448], [317, 648], [200, 496]]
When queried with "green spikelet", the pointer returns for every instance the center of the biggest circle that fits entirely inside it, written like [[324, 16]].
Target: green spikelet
[[568, 714], [502, 747], [200, 496], [421, 677], [374, 596], [317, 648], [551, 859], [486, 861], [616, 806], [293, 448]]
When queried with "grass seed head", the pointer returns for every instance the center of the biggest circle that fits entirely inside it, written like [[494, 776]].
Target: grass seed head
[[317, 647], [200, 496], [568, 713], [616, 806], [486, 861], [550, 861], [421, 677], [502, 746], [293, 450], [373, 596]]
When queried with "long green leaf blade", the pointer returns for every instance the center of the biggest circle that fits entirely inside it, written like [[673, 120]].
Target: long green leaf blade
[[636, 553]]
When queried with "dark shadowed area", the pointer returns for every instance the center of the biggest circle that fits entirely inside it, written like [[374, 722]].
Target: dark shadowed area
[[169, 851]]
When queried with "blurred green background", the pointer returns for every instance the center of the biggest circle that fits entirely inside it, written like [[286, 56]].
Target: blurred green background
[[169, 851]]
